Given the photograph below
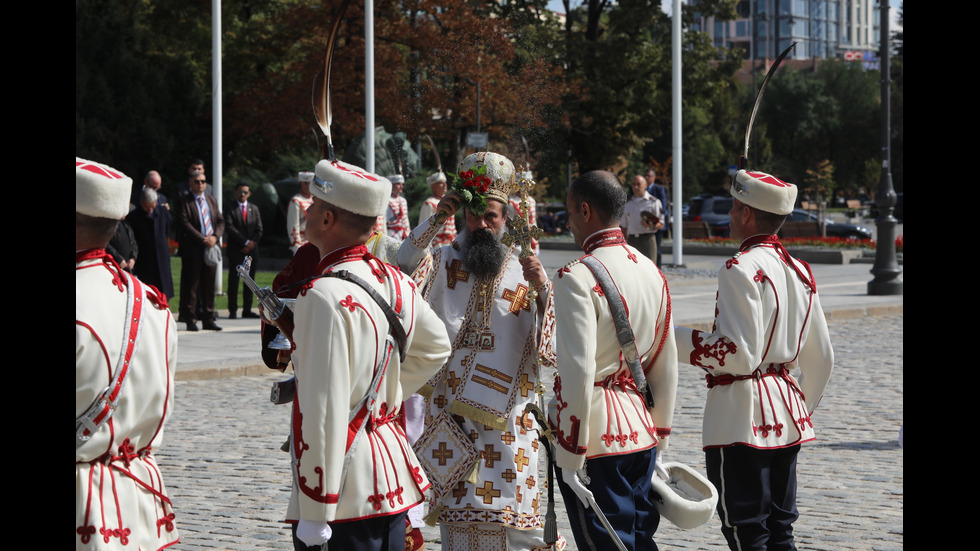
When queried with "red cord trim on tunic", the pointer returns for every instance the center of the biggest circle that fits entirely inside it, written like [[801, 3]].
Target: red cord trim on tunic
[[721, 348], [773, 242], [158, 299], [377, 497], [392, 495], [121, 533], [664, 298], [299, 447], [110, 264], [605, 238], [86, 530], [625, 381], [166, 398], [354, 252], [569, 442]]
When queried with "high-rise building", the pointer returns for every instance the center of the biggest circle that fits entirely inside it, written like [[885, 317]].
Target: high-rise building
[[843, 29]]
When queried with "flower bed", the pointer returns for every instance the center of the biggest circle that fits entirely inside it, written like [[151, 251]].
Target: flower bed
[[830, 242]]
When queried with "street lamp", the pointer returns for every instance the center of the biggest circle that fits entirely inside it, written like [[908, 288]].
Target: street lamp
[[885, 270]]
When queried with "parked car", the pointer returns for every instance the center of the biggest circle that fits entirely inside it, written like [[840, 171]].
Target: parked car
[[552, 218], [834, 229], [709, 208], [712, 209]]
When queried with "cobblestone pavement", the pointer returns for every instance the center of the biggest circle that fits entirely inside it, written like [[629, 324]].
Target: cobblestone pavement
[[230, 484]]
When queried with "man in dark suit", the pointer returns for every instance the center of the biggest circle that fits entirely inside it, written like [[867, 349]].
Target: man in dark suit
[[244, 233], [660, 193], [153, 181], [201, 226], [194, 169], [151, 225]]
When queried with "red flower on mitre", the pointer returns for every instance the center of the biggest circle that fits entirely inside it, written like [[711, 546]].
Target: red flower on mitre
[[483, 182]]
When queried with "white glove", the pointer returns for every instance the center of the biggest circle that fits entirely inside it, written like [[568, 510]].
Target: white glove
[[312, 532], [577, 481], [658, 468]]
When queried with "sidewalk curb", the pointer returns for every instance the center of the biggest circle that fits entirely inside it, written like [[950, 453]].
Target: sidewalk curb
[[202, 372]]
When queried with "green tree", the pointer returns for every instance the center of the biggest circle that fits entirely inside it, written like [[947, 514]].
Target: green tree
[[832, 114], [616, 106], [141, 98]]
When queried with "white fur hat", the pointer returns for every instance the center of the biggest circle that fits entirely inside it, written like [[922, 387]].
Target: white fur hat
[[101, 191], [764, 192], [689, 499], [435, 177], [396, 179], [351, 188], [305, 176]]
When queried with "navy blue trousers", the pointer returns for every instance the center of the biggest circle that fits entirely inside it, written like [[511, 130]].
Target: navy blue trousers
[[381, 533], [756, 495], [621, 486]]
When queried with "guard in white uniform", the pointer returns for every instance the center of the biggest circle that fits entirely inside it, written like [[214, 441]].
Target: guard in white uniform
[[607, 436], [355, 474], [396, 216], [442, 234], [126, 341], [768, 359], [296, 212], [480, 448]]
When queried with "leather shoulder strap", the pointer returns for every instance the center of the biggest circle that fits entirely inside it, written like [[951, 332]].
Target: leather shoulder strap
[[394, 324], [624, 332]]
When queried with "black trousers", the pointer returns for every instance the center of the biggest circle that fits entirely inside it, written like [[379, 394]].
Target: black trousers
[[378, 533], [756, 495], [196, 284], [233, 281]]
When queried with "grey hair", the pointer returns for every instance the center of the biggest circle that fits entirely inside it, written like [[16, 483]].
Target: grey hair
[[148, 195]]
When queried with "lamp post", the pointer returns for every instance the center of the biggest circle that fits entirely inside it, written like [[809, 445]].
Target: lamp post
[[885, 270]]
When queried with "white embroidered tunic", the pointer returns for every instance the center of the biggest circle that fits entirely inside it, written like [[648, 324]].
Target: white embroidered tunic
[[120, 498], [768, 356], [597, 410]]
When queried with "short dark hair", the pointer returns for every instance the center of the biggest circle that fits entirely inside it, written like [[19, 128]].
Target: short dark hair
[[767, 222], [361, 224], [603, 192], [94, 230]]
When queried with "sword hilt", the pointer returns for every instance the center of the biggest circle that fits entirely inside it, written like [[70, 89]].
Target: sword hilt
[[270, 302]]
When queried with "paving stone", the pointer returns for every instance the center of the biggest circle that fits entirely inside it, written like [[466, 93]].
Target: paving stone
[[229, 481]]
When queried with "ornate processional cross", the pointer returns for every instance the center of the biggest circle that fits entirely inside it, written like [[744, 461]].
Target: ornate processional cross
[[521, 231]]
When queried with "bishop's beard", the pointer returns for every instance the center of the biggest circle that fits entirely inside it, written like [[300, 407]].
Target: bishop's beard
[[483, 253]]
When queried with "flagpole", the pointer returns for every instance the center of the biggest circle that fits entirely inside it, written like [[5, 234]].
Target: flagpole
[[369, 84]]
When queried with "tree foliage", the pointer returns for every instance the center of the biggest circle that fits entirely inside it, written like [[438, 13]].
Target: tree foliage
[[593, 92], [143, 76], [832, 114], [141, 97], [616, 111]]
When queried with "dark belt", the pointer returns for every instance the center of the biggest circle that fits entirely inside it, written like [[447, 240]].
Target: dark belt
[[774, 370]]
